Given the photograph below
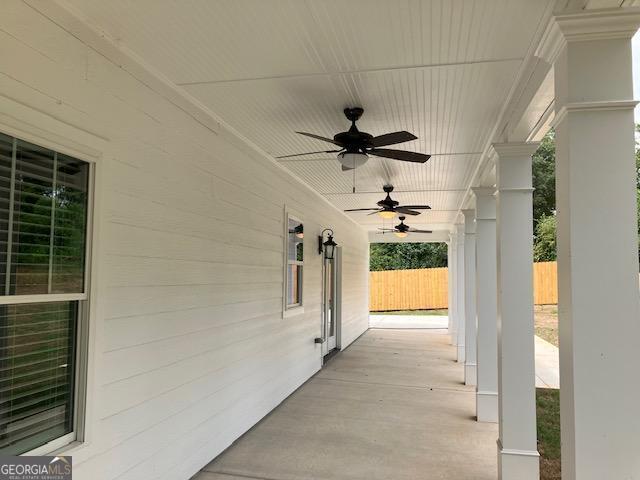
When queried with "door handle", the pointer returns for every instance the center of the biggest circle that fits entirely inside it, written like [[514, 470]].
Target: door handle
[[318, 340]]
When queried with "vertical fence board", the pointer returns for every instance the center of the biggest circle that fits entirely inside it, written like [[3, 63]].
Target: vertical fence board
[[427, 288], [545, 283]]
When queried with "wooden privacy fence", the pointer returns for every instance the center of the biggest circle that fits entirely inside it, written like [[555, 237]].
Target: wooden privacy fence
[[545, 283], [427, 288]]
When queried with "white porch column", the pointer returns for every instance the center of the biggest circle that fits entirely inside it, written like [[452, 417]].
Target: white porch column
[[599, 308], [470, 373], [451, 290], [486, 306], [517, 447], [460, 309]]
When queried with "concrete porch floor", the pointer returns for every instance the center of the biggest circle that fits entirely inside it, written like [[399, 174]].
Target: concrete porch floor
[[391, 406]]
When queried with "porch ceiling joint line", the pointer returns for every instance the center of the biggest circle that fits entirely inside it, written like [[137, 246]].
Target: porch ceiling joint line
[[352, 72]]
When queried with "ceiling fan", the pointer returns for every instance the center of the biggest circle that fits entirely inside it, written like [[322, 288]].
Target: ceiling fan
[[402, 230], [388, 208], [356, 146]]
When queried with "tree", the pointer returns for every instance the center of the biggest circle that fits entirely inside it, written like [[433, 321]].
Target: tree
[[403, 256], [544, 201], [544, 248], [544, 178]]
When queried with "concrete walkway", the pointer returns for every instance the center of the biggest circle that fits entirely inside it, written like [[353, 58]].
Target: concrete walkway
[[547, 364], [408, 321], [547, 358], [391, 406]]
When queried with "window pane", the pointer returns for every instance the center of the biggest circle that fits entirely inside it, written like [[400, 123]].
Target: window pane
[[295, 240], [295, 253], [70, 225], [32, 209], [294, 284], [37, 361], [43, 220]]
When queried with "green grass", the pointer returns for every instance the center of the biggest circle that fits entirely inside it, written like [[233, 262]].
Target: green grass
[[548, 415], [412, 312]]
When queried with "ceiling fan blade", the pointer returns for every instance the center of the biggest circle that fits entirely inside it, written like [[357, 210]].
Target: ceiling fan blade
[[318, 137], [309, 153], [403, 155], [421, 231], [407, 211], [387, 229], [417, 207], [392, 138], [362, 210], [346, 169]]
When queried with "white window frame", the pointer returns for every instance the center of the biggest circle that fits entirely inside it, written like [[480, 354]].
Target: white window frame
[[297, 308], [46, 138]]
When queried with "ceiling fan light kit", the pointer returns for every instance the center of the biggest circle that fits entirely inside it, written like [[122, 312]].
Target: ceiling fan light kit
[[387, 214], [351, 160]]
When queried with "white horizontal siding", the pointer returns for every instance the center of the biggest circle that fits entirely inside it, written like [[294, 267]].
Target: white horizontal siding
[[190, 345]]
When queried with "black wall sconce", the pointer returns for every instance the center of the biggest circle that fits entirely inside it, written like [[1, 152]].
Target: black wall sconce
[[328, 247]]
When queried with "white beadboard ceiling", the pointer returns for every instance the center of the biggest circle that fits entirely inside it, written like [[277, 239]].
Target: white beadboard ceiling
[[440, 69]]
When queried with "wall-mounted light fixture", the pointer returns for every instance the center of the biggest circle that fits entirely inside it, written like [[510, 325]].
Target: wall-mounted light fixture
[[299, 231], [328, 246]]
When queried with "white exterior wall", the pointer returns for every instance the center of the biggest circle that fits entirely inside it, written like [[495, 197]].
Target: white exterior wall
[[188, 345]]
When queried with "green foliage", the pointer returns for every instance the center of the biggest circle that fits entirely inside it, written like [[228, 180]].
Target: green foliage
[[403, 256], [544, 199], [544, 178], [544, 247]]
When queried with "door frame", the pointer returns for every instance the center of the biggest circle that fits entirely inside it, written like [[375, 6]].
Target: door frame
[[337, 305]]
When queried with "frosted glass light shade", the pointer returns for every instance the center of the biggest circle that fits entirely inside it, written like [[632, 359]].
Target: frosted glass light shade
[[352, 160], [387, 213]]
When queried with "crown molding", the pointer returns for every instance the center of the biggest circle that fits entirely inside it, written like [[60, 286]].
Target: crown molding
[[593, 107], [515, 149], [483, 191], [587, 25]]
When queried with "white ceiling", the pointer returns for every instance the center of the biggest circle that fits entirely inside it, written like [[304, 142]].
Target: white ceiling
[[441, 69]]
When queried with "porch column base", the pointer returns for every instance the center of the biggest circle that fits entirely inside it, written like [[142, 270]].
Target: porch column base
[[518, 464], [487, 407], [470, 374], [460, 357]]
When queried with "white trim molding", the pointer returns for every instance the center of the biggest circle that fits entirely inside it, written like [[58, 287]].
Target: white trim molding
[[593, 107], [515, 149], [520, 453], [487, 407], [587, 25]]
